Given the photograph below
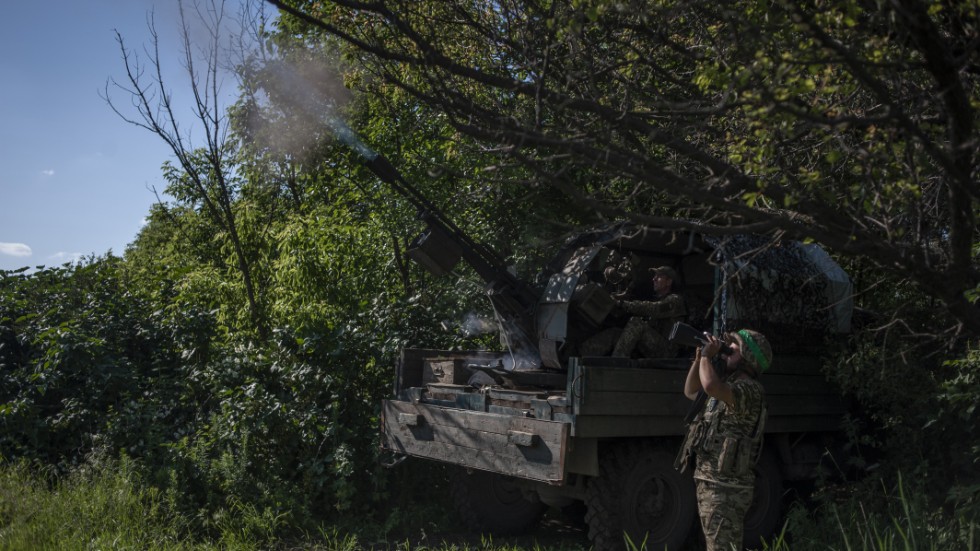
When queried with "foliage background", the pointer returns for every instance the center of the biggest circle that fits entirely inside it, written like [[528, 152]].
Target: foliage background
[[234, 359]]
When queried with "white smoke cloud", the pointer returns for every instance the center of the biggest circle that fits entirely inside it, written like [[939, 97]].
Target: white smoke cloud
[[474, 324], [15, 249], [305, 100], [47, 172]]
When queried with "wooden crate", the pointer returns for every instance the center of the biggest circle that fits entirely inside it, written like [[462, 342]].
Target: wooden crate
[[451, 371]]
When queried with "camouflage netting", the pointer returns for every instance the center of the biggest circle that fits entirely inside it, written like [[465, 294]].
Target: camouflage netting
[[792, 292]]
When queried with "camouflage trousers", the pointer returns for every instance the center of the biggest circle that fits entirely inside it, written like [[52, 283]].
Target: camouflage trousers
[[722, 509], [639, 334], [600, 344], [622, 342]]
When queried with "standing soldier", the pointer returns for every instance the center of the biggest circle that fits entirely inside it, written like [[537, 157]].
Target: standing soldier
[[725, 439]]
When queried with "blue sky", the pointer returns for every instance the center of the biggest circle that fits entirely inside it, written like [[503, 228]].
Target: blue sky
[[75, 179]]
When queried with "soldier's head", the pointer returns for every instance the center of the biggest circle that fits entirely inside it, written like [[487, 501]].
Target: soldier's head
[[664, 278], [753, 349]]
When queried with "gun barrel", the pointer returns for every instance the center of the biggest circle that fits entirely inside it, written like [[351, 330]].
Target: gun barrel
[[506, 290]]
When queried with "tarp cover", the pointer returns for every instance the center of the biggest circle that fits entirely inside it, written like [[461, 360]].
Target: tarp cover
[[788, 283]]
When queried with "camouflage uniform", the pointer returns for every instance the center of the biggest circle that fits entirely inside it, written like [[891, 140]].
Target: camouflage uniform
[[725, 442], [650, 335], [649, 326]]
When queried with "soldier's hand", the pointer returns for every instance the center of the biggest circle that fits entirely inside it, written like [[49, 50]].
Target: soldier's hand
[[711, 346]]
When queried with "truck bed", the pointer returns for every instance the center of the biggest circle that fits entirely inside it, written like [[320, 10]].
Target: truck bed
[[543, 433]]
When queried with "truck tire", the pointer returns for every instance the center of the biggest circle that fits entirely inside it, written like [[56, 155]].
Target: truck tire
[[490, 503], [639, 494], [766, 510]]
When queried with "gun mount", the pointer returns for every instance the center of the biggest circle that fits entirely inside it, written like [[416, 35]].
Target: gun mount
[[791, 291]]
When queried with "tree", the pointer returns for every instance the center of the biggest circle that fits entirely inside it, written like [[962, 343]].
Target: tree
[[846, 122], [204, 177]]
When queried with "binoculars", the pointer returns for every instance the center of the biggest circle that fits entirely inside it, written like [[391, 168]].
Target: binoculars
[[687, 335]]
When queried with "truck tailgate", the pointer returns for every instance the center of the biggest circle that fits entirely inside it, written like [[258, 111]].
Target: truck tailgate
[[515, 446]]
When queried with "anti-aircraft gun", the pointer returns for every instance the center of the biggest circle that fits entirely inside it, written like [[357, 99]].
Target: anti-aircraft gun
[[560, 428], [554, 427]]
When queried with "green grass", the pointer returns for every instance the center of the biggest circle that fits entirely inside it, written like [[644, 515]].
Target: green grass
[[93, 508], [106, 506], [882, 520]]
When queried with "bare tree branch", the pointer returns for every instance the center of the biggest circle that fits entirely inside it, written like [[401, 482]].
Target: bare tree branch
[[208, 172]]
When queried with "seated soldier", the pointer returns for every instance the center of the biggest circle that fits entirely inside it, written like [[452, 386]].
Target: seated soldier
[[652, 320], [649, 323]]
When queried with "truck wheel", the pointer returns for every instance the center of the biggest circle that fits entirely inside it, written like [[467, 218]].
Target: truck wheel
[[493, 503], [764, 514], [639, 494]]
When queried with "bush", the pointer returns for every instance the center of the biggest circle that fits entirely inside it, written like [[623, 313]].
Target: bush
[[283, 430], [77, 351]]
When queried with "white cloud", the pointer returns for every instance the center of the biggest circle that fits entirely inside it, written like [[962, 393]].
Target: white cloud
[[48, 172], [15, 249]]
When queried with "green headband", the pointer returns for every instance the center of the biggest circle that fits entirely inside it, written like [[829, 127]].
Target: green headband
[[760, 358]]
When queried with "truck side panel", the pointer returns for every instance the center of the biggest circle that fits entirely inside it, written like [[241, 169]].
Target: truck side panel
[[514, 446], [610, 401], [614, 401], [799, 397]]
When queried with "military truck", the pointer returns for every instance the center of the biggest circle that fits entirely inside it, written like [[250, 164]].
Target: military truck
[[538, 424]]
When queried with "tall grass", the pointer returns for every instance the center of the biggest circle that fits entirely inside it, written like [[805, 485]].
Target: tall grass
[[95, 507], [886, 520], [105, 505]]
